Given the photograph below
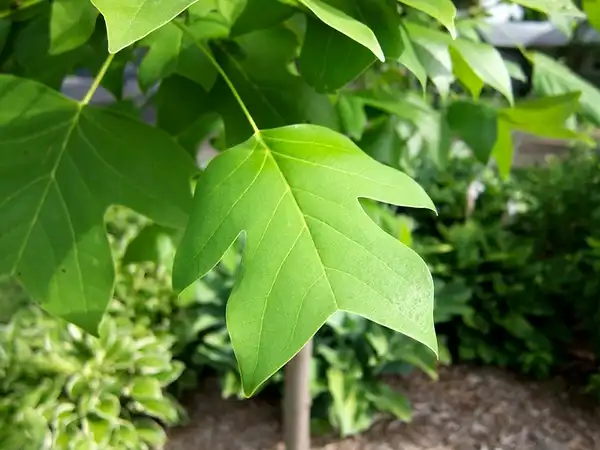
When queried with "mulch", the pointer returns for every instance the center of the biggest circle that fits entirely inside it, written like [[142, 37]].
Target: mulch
[[468, 408]]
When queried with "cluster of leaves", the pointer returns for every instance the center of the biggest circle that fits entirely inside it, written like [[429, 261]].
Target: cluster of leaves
[[62, 388], [279, 83], [527, 248]]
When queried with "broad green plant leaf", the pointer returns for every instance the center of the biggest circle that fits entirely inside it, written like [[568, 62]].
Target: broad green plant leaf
[[330, 60], [310, 250], [72, 23], [410, 60], [128, 21], [382, 142], [553, 7], [352, 115], [592, 10], [172, 52], [61, 166], [476, 124], [443, 11], [553, 78], [345, 24], [260, 14], [544, 117]]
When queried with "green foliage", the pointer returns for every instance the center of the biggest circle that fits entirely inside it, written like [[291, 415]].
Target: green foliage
[[245, 75]]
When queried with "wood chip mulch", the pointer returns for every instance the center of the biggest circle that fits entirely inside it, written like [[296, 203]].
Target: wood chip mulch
[[468, 408]]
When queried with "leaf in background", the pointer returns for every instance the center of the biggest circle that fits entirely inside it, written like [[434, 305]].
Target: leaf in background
[[345, 24], [592, 10], [381, 142], [348, 411], [154, 243], [308, 180], [410, 60], [260, 14], [515, 71], [432, 50], [428, 122], [275, 97], [484, 63], [330, 60], [476, 124], [172, 52], [443, 11], [552, 7], [553, 78], [395, 403], [72, 23], [150, 432], [5, 26], [128, 21], [61, 166], [352, 115], [544, 117]]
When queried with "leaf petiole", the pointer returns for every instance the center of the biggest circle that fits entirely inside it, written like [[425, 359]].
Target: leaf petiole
[[214, 62], [97, 80]]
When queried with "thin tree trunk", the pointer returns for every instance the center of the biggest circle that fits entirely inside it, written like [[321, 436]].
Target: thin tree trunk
[[297, 401]]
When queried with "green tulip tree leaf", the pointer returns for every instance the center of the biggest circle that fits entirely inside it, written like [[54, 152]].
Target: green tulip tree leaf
[[553, 7], [443, 11], [544, 117], [330, 60], [128, 21], [409, 59], [552, 78], [171, 52], [61, 165], [310, 249], [345, 24], [72, 23]]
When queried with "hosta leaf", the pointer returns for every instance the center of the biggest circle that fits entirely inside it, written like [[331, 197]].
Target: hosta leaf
[[329, 59], [172, 52], [443, 11], [143, 388], [61, 166], [310, 248], [128, 21], [553, 7], [72, 23], [345, 24], [553, 78]]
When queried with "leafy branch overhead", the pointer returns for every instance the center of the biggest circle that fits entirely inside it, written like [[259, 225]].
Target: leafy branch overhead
[[272, 85]]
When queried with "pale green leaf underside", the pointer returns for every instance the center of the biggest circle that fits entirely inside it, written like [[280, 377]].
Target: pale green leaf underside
[[128, 21], [61, 166], [310, 249], [345, 24], [553, 7], [443, 11]]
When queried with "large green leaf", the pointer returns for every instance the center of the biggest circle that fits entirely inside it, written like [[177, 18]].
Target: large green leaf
[[310, 250], [61, 166], [128, 21], [72, 23], [552, 78], [553, 7], [172, 52], [329, 59], [442, 10], [544, 117], [345, 24]]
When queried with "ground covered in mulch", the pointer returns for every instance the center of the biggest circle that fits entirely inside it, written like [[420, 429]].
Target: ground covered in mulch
[[466, 409]]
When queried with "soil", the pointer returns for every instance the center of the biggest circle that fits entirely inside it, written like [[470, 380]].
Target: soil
[[468, 408]]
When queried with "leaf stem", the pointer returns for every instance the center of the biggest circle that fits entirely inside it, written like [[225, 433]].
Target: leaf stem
[[90, 93], [217, 66]]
